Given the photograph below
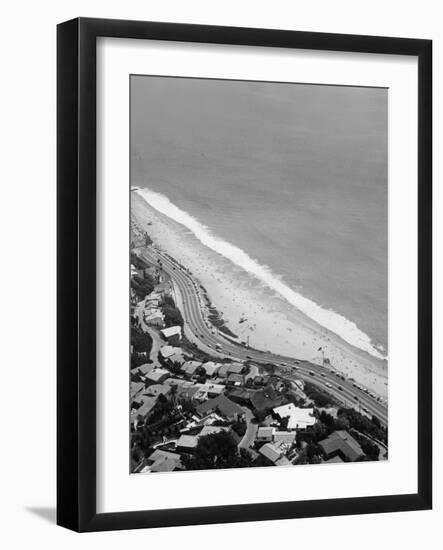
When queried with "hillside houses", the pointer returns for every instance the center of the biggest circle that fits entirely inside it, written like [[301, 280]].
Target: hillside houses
[[152, 313], [189, 405]]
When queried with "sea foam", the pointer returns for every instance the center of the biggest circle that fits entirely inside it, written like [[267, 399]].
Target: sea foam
[[334, 322]]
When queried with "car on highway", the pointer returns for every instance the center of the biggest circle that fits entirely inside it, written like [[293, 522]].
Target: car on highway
[[283, 364], [248, 357], [295, 367], [340, 388], [296, 362], [323, 374], [365, 409], [328, 385], [311, 373], [355, 397]]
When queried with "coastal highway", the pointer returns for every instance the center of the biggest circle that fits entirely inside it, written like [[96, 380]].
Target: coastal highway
[[203, 334]]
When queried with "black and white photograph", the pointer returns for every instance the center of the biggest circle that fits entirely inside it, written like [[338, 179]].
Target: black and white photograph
[[233, 334], [258, 274]]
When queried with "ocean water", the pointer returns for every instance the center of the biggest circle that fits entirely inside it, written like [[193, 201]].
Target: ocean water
[[288, 180]]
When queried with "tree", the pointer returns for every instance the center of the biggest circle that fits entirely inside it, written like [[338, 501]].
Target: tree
[[172, 315], [142, 286], [200, 371], [370, 449], [141, 341], [284, 422], [319, 398], [173, 395], [327, 419], [239, 427], [216, 451], [353, 419]]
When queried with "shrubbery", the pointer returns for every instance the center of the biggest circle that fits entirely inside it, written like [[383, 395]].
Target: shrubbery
[[142, 286], [141, 341], [215, 451], [172, 314], [320, 398], [350, 418]]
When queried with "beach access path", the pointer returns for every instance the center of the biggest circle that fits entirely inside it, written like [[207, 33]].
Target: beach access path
[[202, 334]]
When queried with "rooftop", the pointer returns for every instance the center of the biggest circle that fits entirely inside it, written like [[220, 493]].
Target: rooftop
[[157, 374], [158, 389], [265, 431], [165, 465], [287, 437], [167, 351], [136, 387], [145, 369], [263, 399], [235, 368], [177, 358], [191, 366], [270, 451], [187, 441], [159, 453], [221, 403], [179, 382], [172, 331], [211, 368], [342, 442], [208, 430], [236, 378], [146, 407], [164, 461], [212, 388]]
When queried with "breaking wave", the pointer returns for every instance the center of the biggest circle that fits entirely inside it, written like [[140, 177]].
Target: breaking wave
[[334, 322]]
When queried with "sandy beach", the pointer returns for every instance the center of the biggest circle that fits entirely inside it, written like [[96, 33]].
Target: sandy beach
[[252, 310]]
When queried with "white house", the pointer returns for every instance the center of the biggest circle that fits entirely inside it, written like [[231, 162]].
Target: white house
[[172, 333], [298, 418]]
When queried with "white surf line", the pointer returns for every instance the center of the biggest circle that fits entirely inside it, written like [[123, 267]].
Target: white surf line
[[329, 319]]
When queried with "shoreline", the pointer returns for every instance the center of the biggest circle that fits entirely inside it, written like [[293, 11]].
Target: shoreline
[[251, 309]]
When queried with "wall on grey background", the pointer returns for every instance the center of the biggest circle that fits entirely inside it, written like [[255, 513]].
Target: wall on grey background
[[28, 270]]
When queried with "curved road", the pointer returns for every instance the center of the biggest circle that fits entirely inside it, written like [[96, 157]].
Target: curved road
[[200, 331]]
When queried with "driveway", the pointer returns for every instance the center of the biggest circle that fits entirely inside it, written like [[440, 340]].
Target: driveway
[[251, 431]]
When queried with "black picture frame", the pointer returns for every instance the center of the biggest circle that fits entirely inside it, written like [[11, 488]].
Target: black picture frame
[[76, 293]]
